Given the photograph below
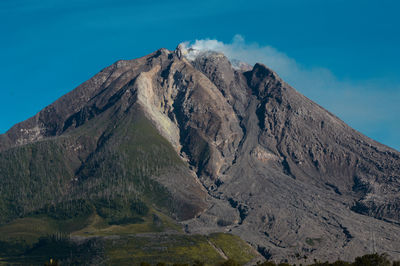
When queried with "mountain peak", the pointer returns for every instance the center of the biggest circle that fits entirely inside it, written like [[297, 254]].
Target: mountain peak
[[193, 53]]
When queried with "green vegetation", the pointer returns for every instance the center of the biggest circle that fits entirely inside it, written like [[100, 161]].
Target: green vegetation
[[230, 262], [49, 177], [130, 220], [55, 246], [153, 222], [28, 229], [166, 249], [67, 210], [178, 249], [372, 260], [30, 176], [48, 189], [233, 247]]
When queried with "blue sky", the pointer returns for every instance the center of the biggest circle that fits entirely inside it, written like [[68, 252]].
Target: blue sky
[[344, 55]]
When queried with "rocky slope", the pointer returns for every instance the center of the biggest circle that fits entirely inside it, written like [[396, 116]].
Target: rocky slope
[[227, 148]]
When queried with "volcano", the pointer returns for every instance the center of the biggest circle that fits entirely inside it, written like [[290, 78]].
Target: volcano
[[211, 145]]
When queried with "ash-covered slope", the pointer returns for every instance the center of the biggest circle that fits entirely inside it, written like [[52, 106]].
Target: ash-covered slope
[[302, 177], [251, 156]]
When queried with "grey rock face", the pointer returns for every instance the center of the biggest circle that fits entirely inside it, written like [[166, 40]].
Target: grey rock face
[[280, 171], [302, 178]]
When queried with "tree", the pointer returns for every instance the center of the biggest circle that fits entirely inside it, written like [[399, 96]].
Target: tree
[[372, 260]]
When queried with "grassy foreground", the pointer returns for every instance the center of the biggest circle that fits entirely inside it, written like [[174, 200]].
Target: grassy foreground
[[155, 238]]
